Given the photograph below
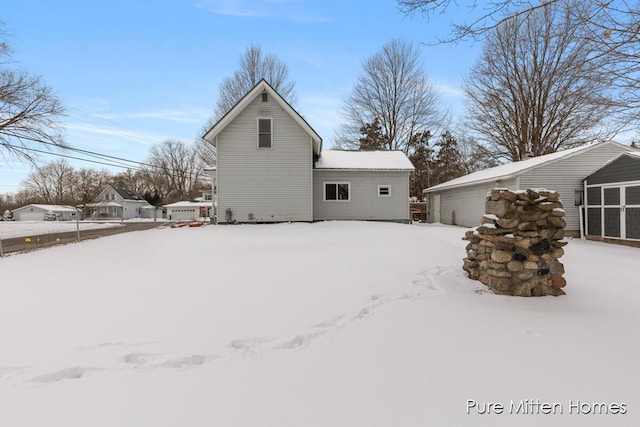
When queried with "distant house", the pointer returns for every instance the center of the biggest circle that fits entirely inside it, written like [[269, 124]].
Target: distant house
[[271, 168], [612, 198], [120, 203], [461, 201], [37, 212]]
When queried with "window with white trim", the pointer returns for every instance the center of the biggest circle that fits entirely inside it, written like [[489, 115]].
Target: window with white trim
[[384, 191], [337, 191], [265, 133]]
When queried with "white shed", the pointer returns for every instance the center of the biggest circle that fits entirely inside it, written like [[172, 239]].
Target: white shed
[[36, 212], [461, 201]]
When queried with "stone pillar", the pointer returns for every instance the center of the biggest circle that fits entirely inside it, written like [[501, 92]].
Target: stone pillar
[[516, 248]]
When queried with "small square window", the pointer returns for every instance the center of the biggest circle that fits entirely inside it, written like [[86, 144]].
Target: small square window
[[264, 133], [384, 191]]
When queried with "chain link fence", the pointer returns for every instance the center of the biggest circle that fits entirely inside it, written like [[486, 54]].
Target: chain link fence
[[21, 236]]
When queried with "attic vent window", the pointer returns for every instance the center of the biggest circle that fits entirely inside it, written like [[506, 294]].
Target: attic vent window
[[264, 97]]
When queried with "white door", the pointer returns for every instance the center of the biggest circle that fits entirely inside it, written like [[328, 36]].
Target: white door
[[436, 208]]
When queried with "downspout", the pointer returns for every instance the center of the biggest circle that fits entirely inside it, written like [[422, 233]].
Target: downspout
[[584, 216], [216, 185]]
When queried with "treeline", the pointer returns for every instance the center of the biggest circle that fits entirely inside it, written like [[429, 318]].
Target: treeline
[[174, 171]]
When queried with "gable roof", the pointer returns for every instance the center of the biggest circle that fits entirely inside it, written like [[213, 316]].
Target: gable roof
[[514, 169], [259, 88], [364, 160], [635, 155], [127, 194]]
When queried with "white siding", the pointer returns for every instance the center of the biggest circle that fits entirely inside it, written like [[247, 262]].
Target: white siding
[[467, 203], [565, 176], [29, 214], [364, 203], [271, 184]]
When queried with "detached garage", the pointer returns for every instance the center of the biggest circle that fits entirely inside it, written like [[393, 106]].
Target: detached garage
[[461, 200], [188, 210], [613, 199], [37, 212]]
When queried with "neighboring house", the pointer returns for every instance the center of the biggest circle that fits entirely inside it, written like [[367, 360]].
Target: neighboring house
[[120, 203], [189, 210], [612, 198], [271, 168], [36, 212], [461, 201]]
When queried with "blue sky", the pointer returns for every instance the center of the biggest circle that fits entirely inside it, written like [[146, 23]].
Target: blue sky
[[134, 73]]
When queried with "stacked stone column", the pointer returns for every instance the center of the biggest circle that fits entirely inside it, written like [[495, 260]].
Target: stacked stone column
[[516, 248]]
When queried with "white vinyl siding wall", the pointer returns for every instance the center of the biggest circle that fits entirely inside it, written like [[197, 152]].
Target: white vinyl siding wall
[[264, 185], [364, 203], [566, 176], [467, 203]]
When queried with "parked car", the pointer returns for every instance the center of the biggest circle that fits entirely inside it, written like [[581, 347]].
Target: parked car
[[50, 216]]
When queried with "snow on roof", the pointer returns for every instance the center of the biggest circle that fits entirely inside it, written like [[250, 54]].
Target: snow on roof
[[511, 169], [366, 160], [189, 204], [54, 208]]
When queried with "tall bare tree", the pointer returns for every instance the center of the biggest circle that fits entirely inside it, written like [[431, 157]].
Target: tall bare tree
[[51, 183], [537, 88], [393, 89], [180, 165], [612, 27], [253, 66], [30, 113]]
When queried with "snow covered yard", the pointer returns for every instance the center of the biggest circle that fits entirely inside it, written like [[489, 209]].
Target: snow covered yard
[[325, 324]]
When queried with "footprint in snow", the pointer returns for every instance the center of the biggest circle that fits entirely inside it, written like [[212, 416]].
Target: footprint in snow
[[71, 373]]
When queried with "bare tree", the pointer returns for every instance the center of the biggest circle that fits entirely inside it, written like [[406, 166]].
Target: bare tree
[[536, 88], [29, 111], [51, 183], [181, 167], [611, 27], [392, 89], [253, 66]]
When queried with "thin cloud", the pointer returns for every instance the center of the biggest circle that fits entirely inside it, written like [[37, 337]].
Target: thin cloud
[[288, 10], [125, 134], [178, 116]]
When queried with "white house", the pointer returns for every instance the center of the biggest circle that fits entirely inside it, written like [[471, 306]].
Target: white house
[[271, 168], [36, 212], [120, 203], [612, 198], [461, 201]]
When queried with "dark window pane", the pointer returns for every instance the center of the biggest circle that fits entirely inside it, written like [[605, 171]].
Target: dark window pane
[[593, 227], [593, 196], [384, 191], [330, 192], [633, 195], [612, 222], [343, 191], [633, 223], [264, 141], [612, 196], [264, 126]]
